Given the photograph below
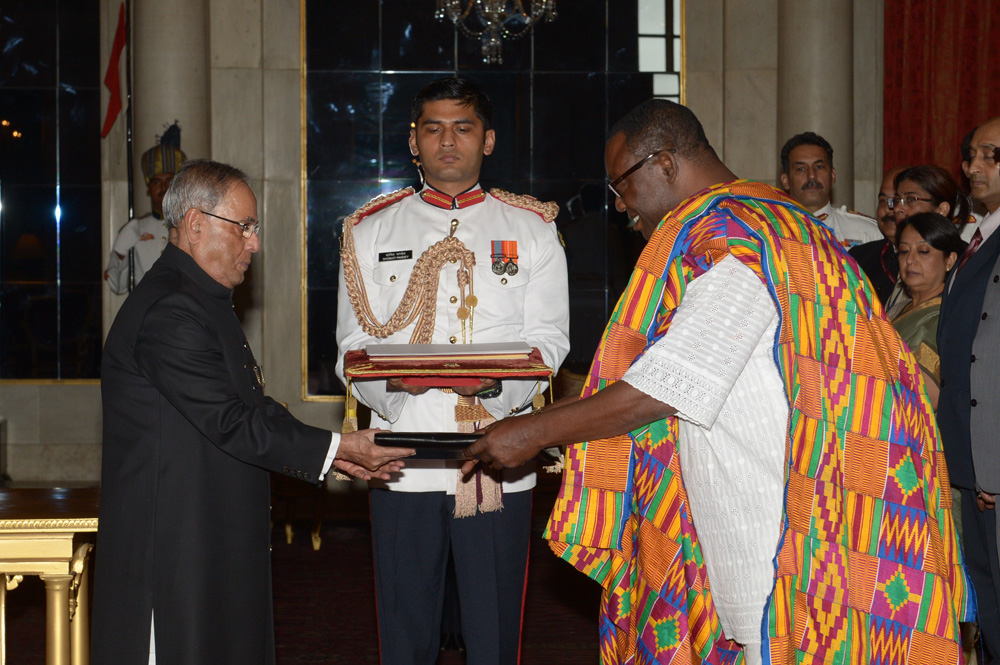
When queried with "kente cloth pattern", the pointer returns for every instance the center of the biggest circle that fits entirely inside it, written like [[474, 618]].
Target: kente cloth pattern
[[868, 567]]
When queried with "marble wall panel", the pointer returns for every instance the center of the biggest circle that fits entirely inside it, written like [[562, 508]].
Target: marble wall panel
[[281, 34], [703, 35], [750, 123], [235, 27], [282, 320], [282, 128], [704, 98], [751, 34], [55, 462]]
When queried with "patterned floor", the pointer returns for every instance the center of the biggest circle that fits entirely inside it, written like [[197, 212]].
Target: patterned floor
[[324, 604]]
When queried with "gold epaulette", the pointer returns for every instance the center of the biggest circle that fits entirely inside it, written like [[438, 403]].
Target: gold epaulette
[[547, 210], [377, 204], [859, 214]]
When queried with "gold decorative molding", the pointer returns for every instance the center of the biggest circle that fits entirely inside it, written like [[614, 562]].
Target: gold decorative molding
[[82, 524]]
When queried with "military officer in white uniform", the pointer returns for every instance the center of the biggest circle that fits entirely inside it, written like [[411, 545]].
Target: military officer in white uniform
[[517, 292], [807, 174], [147, 235]]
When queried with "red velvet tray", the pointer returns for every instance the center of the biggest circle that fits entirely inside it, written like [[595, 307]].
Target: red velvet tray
[[433, 371]]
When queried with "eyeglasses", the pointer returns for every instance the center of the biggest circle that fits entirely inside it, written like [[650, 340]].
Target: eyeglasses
[[895, 201], [248, 228], [635, 167]]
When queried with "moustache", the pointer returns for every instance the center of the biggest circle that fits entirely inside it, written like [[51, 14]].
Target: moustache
[[812, 184], [889, 218]]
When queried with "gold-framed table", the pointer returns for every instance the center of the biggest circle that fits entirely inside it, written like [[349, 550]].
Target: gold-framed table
[[48, 532]]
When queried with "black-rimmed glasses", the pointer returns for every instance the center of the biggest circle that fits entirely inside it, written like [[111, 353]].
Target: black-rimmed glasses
[[635, 167], [248, 228]]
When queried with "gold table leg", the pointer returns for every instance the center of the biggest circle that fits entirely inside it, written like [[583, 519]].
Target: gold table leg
[[79, 610], [7, 583], [57, 619]]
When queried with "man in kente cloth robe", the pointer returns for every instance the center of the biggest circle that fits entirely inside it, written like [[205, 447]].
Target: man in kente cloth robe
[[761, 478]]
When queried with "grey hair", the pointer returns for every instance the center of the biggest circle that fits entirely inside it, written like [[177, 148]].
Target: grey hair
[[201, 184]]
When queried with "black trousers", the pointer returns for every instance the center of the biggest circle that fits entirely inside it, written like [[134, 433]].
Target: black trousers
[[412, 533], [980, 547]]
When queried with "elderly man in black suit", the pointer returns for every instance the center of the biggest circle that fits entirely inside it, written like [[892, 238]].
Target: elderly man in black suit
[[183, 568], [969, 402]]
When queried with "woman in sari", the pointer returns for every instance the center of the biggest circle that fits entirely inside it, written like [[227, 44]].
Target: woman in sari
[[929, 247]]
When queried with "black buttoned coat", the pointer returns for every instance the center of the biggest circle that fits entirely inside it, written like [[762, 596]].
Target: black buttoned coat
[[189, 438]]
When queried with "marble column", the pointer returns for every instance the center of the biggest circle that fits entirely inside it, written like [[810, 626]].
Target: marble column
[[170, 79], [816, 80]]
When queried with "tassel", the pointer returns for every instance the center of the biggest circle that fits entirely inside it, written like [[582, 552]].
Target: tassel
[[350, 425], [482, 490]]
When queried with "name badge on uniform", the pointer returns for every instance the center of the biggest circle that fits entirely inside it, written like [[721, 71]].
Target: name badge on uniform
[[398, 255], [504, 255]]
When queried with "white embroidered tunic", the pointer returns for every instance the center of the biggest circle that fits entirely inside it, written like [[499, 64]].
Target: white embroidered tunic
[[716, 366]]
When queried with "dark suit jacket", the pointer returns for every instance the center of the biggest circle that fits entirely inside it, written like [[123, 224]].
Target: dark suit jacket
[[189, 438], [879, 261], [961, 312], [985, 417]]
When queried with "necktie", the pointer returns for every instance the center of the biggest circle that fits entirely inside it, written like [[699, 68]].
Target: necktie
[[977, 240]]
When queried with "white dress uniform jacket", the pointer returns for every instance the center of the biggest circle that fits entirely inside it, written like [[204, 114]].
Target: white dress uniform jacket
[[850, 228], [531, 306], [148, 236]]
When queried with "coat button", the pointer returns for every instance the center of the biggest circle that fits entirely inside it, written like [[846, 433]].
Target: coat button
[[452, 339], [985, 315], [973, 402], [392, 278], [453, 299], [503, 281], [996, 278], [973, 357]]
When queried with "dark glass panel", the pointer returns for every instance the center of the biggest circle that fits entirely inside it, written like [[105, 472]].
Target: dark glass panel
[[400, 89], [624, 247], [510, 97], [28, 335], [328, 204], [413, 40], [80, 138], [321, 328], [80, 331], [569, 126], [342, 35], [588, 317], [27, 234], [582, 223], [343, 112], [30, 157], [623, 41], [81, 256], [625, 92], [558, 45], [79, 44], [28, 43]]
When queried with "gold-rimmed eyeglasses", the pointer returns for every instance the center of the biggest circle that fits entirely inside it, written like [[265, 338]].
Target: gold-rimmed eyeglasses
[[248, 228]]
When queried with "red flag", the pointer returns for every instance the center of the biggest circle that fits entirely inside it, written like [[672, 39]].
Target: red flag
[[111, 78]]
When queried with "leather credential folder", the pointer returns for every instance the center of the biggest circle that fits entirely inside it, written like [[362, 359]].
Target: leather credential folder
[[429, 445], [464, 365]]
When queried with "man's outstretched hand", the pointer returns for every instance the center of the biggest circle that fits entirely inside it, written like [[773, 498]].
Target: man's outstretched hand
[[360, 457], [505, 444]]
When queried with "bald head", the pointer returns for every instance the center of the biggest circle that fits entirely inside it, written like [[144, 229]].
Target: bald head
[[983, 171]]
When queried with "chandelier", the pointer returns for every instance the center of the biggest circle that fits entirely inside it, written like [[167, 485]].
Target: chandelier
[[490, 21]]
